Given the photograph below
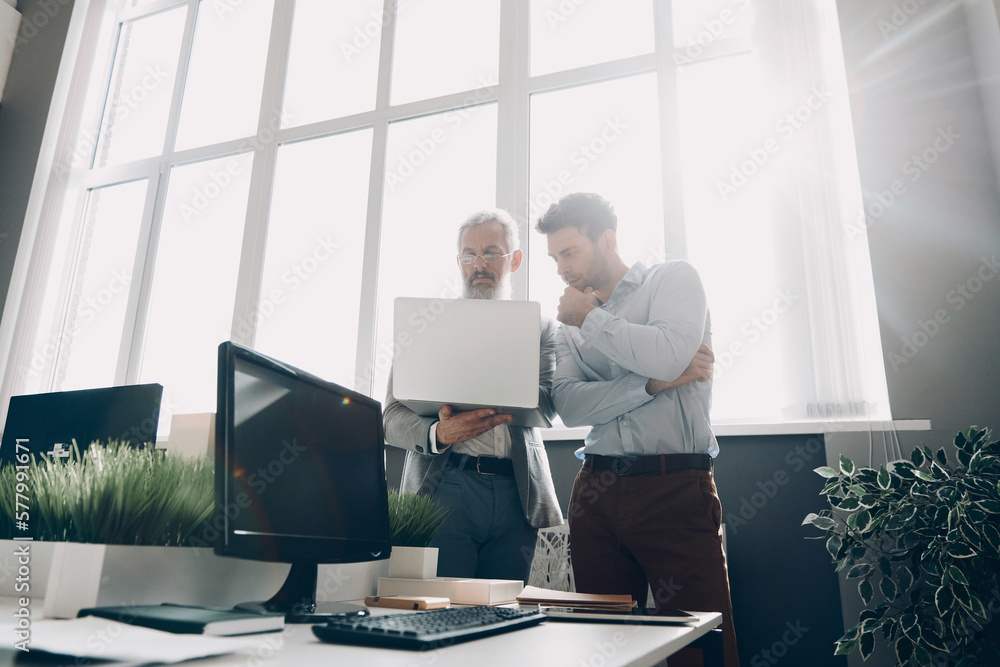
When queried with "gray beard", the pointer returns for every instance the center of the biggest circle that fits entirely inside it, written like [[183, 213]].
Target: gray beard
[[500, 290]]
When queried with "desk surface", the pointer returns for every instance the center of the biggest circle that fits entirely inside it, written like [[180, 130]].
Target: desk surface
[[551, 644]]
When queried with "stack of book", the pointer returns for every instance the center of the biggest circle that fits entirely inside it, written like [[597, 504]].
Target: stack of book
[[599, 601], [459, 591]]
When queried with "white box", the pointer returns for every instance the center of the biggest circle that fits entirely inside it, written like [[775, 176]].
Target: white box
[[192, 435], [458, 590]]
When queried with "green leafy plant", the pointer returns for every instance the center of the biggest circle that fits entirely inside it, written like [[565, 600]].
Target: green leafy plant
[[112, 494], [923, 537], [414, 519]]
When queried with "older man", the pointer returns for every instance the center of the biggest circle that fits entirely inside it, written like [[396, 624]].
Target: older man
[[492, 475]]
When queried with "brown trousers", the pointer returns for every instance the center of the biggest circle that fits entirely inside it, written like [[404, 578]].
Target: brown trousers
[[627, 532]]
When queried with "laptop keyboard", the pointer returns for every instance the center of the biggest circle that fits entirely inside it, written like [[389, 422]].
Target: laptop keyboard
[[427, 629]]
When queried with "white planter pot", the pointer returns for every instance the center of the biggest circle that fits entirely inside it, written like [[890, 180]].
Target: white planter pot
[[88, 575], [413, 562], [13, 580]]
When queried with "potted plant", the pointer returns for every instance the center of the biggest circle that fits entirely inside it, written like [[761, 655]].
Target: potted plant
[[111, 494], [413, 520], [923, 537]]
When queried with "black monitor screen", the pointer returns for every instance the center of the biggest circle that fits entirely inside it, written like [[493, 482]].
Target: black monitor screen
[[300, 465], [49, 423]]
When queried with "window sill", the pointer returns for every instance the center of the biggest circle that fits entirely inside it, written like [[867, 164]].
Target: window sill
[[805, 427]]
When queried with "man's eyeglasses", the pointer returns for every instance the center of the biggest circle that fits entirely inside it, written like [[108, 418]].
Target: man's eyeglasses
[[489, 258]]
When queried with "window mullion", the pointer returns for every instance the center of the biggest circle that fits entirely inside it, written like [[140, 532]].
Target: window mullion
[[367, 318], [265, 145], [512, 126], [674, 237], [130, 353], [589, 74], [133, 329], [180, 80], [155, 7]]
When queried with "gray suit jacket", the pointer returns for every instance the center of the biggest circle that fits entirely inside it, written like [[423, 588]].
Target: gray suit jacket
[[422, 470]]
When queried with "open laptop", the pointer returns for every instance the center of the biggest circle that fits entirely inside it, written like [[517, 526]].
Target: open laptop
[[48, 423], [468, 353]]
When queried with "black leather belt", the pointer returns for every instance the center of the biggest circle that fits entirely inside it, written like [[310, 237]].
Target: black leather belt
[[484, 465], [660, 464]]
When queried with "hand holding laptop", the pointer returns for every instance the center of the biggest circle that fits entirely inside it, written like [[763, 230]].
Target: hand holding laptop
[[461, 426]]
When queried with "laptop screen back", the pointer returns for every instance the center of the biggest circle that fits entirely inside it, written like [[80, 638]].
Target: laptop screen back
[[469, 352], [48, 423]]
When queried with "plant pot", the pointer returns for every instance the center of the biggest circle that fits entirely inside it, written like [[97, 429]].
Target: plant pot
[[89, 575], [24, 574], [413, 562]]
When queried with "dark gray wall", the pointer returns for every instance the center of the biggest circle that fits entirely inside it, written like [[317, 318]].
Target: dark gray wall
[[23, 111], [913, 78]]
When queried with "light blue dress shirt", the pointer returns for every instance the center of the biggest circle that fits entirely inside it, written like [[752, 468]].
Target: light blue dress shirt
[[651, 327]]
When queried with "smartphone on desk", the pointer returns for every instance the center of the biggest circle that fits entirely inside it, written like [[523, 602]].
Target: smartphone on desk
[[638, 615]]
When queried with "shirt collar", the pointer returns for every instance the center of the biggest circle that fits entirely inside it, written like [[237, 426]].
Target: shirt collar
[[629, 281]]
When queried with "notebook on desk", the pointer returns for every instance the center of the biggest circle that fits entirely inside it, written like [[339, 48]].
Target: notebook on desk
[[468, 353]]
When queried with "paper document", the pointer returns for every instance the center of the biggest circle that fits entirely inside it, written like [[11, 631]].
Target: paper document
[[101, 638]]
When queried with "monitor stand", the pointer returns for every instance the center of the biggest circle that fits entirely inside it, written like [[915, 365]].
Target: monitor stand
[[297, 599]]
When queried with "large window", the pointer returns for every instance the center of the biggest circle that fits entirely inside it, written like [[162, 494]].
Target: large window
[[276, 173]]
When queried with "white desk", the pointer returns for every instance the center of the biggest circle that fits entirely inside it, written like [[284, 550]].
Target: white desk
[[551, 644]]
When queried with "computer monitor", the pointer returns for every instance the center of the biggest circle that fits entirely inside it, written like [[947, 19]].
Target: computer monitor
[[300, 476], [49, 423]]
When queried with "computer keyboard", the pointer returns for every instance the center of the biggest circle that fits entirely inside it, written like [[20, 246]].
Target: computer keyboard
[[427, 629]]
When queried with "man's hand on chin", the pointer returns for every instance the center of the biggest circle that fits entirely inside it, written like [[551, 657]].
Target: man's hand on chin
[[574, 306]]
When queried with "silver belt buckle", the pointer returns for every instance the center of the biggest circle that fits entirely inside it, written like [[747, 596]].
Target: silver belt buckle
[[479, 470]]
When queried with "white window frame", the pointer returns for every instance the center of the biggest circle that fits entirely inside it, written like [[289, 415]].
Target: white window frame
[[512, 95]]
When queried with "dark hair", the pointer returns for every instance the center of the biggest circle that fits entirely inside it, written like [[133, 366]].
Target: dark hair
[[591, 213]]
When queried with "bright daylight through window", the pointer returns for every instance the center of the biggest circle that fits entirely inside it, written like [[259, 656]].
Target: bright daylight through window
[[276, 173]]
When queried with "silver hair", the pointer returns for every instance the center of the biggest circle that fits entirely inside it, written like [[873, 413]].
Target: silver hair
[[497, 215]]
